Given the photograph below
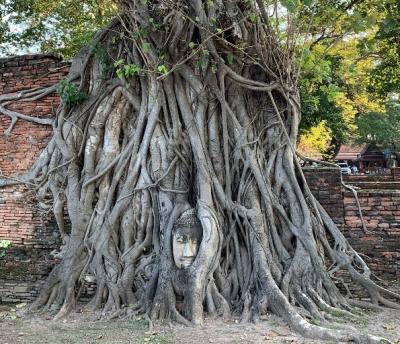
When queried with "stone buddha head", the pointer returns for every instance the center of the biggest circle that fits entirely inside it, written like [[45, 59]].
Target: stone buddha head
[[186, 238]]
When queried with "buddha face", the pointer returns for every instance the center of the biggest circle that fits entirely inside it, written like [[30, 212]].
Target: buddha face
[[185, 245]]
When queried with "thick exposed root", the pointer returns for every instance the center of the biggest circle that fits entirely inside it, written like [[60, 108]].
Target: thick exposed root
[[144, 149]]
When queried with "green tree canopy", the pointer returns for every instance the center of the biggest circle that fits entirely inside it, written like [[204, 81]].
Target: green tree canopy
[[349, 63], [62, 26], [381, 128], [348, 50]]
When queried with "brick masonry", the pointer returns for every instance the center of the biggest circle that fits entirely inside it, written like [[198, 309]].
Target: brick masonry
[[381, 243], [34, 234], [380, 206], [325, 184], [20, 222]]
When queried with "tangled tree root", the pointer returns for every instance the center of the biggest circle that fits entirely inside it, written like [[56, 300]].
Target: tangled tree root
[[203, 114]]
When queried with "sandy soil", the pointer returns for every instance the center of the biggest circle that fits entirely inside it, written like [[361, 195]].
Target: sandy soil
[[16, 327]]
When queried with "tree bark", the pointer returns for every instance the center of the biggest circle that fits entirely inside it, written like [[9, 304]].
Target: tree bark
[[202, 112]]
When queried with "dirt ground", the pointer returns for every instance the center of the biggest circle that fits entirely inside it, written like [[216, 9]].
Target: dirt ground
[[16, 327]]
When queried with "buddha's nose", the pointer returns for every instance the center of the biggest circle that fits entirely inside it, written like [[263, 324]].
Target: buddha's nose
[[188, 251]]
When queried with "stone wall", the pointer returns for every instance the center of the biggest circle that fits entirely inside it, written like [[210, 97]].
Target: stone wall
[[33, 233]]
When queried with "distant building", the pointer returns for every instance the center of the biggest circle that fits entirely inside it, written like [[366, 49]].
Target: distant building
[[365, 156]]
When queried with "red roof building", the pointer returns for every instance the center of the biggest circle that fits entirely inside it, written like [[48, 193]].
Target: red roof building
[[364, 156]]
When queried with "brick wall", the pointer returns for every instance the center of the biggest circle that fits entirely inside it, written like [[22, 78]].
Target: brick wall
[[325, 184], [20, 221], [380, 204], [381, 243], [33, 233]]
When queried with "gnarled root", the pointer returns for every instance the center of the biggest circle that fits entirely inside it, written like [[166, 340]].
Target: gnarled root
[[214, 136]]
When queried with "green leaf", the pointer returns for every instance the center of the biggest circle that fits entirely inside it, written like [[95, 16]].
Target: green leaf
[[162, 69], [120, 73], [307, 3], [118, 62], [192, 45], [70, 94], [131, 70], [5, 243]]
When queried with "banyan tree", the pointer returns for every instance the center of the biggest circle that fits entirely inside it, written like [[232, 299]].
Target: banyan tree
[[173, 157]]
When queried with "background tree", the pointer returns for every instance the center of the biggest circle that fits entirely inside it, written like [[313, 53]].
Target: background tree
[[381, 128], [179, 128], [61, 26], [348, 66]]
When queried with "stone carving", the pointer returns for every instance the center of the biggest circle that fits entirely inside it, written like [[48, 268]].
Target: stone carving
[[186, 238]]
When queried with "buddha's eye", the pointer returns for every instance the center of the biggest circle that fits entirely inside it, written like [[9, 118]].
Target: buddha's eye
[[181, 239]]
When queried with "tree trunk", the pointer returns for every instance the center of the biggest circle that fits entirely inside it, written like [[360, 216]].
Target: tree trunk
[[191, 122]]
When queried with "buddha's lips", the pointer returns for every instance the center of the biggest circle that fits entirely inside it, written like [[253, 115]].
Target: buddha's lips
[[187, 261]]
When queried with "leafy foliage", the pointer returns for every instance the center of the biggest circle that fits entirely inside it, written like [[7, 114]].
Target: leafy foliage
[[126, 70], [69, 93], [162, 69], [61, 26], [316, 141], [385, 76], [349, 52], [349, 63], [381, 128], [4, 245]]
